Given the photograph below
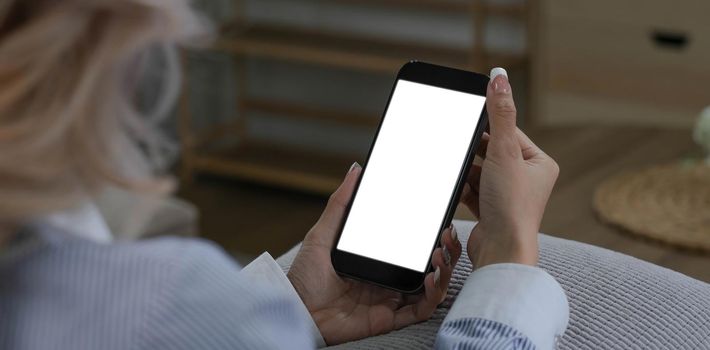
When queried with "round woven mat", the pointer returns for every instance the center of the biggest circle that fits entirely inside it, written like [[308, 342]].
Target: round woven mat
[[669, 203]]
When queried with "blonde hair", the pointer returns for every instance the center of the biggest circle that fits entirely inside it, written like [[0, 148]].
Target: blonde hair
[[69, 74]]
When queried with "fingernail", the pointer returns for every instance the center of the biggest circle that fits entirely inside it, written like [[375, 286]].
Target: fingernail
[[447, 256], [498, 71], [355, 165], [454, 234], [437, 275], [500, 85]]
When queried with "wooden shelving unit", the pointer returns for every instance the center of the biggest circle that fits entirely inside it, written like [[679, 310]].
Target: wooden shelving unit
[[283, 166]]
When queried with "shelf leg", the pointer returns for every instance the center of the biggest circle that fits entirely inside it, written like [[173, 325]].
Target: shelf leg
[[478, 26]]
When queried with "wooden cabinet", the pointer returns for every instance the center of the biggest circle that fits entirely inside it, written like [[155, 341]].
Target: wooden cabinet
[[630, 62]]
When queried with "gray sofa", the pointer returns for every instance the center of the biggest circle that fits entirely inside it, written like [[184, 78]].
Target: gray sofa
[[616, 301]]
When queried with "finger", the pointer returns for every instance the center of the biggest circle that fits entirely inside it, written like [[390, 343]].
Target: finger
[[422, 309], [446, 250], [529, 149], [433, 294], [535, 155], [469, 195], [410, 299], [335, 209], [406, 315], [444, 275], [500, 105], [483, 145], [438, 259], [474, 177], [469, 198], [380, 294], [394, 301], [449, 240]]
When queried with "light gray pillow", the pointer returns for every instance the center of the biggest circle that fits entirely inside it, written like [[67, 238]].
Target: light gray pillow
[[616, 301]]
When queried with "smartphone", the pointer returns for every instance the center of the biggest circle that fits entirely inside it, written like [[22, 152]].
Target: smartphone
[[412, 180]]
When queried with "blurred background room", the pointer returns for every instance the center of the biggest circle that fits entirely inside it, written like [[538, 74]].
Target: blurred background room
[[289, 95]]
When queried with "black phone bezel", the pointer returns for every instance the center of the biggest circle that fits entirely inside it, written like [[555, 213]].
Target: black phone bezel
[[389, 275]]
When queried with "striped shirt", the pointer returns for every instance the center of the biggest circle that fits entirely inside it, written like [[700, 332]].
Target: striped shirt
[[62, 291]]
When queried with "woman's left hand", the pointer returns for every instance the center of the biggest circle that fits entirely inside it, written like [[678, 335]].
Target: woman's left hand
[[345, 309]]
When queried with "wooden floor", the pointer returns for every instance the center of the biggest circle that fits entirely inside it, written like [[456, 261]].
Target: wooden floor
[[248, 219]]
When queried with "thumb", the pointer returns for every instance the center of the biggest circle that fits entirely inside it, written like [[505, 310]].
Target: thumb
[[500, 106], [331, 219]]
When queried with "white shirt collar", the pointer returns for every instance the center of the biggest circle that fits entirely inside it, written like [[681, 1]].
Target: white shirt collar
[[84, 221]]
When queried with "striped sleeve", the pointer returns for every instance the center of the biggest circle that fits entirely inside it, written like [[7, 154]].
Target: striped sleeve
[[264, 269], [506, 306], [209, 305], [481, 334]]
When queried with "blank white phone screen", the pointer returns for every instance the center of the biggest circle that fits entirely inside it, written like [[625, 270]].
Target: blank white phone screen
[[411, 174]]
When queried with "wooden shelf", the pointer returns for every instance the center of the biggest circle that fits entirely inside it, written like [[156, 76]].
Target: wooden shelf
[[347, 50], [314, 171], [277, 166], [508, 10], [308, 112], [291, 110]]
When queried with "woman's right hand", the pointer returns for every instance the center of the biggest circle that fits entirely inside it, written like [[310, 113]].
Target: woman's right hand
[[509, 191]]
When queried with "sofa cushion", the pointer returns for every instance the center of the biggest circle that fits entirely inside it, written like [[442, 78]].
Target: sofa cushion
[[616, 301]]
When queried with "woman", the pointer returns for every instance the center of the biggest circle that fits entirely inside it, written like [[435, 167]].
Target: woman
[[69, 126]]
